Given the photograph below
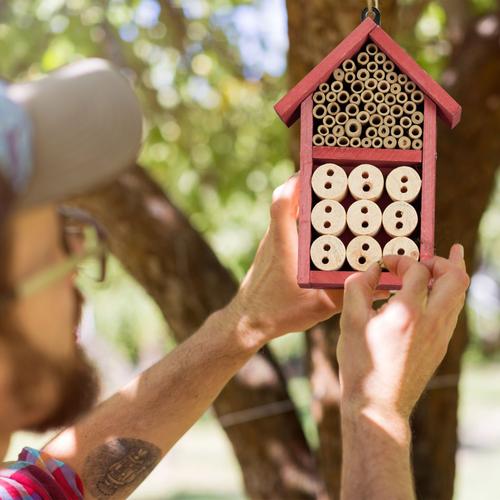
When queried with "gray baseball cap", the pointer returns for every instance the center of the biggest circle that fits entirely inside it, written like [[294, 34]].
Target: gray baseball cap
[[83, 127]]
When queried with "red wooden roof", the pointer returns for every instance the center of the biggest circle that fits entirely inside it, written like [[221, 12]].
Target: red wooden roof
[[288, 108]]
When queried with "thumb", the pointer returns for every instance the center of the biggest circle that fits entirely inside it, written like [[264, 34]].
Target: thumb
[[360, 289]]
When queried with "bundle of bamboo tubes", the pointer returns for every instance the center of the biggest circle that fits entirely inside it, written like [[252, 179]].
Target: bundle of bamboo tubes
[[368, 103]]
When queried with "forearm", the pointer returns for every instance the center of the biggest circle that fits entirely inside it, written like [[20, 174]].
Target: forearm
[[116, 446], [376, 457]]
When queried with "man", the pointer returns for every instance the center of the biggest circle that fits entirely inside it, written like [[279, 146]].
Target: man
[[386, 358]]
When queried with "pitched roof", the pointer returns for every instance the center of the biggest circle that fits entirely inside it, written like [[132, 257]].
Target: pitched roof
[[288, 108]]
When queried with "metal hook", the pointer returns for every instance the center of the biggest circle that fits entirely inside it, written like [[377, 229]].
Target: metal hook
[[376, 13]]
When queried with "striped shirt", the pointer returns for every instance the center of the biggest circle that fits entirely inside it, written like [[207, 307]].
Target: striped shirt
[[38, 476]]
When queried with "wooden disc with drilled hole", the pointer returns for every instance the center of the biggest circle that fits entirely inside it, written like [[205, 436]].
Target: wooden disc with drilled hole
[[400, 219], [329, 182], [364, 218], [328, 253], [403, 184], [362, 252], [366, 182], [329, 217], [402, 246]]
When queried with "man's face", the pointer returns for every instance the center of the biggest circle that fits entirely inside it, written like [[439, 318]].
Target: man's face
[[59, 383]]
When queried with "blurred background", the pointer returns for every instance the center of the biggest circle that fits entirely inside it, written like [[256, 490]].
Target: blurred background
[[208, 74]]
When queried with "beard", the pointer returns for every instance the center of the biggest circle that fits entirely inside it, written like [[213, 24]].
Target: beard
[[76, 380]]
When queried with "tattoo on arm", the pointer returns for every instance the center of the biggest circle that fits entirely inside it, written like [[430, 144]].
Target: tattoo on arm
[[119, 466]]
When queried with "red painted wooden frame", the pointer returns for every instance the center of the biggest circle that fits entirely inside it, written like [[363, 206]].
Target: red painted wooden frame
[[308, 278]]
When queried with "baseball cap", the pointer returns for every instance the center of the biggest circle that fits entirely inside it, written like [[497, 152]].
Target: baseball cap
[[84, 127]]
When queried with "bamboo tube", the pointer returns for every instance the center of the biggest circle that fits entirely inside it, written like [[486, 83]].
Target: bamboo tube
[[397, 111], [405, 122], [404, 143], [371, 132], [343, 142], [383, 109], [355, 99], [371, 84], [343, 97], [403, 184], [389, 120], [372, 67], [367, 96], [318, 140], [329, 121], [357, 86], [379, 97], [397, 131], [349, 65], [328, 253], [363, 58], [372, 49], [417, 118], [390, 99], [362, 252], [410, 87], [376, 120], [370, 107], [417, 97], [337, 86], [364, 218], [342, 118], [350, 77], [384, 131], [400, 219], [377, 142], [363, 117], [366, 182], [366, 142], [402, 246], [331, 97], [329, 217], [324, 87], [379, 75], [402, 79], [415, 132], [355, 142], [339, 75], [329, 182], [402, 98], [330, 140], [353, 128], [363, 75], [352, 109], [380, 58], [410, 108], [383, 87], [338, 131], [333, 108], [392, 77], [323, 130], [389, 66], [319, 97], [390, 142], [319, 111], [396, 88], [417, 144]]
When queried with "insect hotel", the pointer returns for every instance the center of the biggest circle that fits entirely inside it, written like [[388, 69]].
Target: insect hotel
[[368, 116]]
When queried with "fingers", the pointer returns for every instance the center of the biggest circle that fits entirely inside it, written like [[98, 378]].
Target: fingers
[[360, 289], [414, 275], [284, 208]]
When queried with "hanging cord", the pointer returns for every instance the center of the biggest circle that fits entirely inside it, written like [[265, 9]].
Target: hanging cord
[[372, 10]]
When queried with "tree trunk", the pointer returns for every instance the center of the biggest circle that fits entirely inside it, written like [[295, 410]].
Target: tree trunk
[[315, 27], [163, 252]]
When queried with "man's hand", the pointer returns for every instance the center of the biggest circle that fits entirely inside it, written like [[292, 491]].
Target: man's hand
[[387, 357], [269, 298]]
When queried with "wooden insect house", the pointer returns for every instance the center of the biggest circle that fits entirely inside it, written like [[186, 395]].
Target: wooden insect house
[[368, 116]]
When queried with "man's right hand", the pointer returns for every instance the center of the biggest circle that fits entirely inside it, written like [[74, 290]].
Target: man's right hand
[[387, 357]]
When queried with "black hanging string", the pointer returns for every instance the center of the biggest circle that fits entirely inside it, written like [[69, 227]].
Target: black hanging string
[[372, 10]]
